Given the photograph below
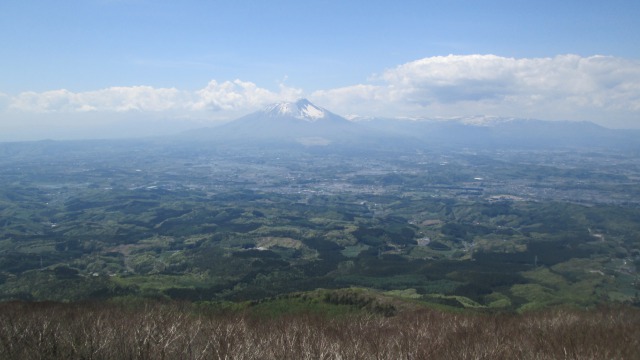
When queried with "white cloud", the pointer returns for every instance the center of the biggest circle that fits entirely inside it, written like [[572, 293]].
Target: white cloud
[[239, 95], [117, 99], [129, 111], [587, 80], [226, 96], [566, 86], [602, 89]]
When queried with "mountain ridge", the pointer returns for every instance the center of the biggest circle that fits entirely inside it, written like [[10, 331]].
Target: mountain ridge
[[302, 122], [299, 122]]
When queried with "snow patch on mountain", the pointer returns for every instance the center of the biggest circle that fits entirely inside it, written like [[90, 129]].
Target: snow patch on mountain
[[485, 121], [301, 109], [313, 112], [476, 121]]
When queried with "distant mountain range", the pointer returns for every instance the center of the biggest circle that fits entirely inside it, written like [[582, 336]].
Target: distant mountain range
[[303, 123], [290, 122]]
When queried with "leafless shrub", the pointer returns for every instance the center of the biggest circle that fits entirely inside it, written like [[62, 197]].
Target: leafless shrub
[[170, 331]]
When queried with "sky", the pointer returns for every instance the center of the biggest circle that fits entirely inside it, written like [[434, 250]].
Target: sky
[[118, 68]]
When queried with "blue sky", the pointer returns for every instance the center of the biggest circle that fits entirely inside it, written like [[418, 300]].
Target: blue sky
[[78, 65]]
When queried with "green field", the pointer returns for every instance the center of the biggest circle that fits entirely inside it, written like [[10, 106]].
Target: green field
[[205, 225]]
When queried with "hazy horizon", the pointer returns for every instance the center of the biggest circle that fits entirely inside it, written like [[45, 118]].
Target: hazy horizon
[[128, 68]]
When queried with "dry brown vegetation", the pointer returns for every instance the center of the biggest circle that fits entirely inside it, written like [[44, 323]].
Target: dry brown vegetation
[[175, 331]]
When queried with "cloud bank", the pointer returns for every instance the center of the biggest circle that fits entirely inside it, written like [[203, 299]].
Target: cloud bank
[[563, 87], [215, 97], [602, 89]]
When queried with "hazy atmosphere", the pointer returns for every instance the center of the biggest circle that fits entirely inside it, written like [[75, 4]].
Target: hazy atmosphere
[[122, 68], [284, 180]]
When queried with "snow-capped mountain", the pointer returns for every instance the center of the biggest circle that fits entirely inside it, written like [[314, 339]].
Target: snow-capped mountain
[[302, 109], [299, 111], [294, 122], [302, 122]]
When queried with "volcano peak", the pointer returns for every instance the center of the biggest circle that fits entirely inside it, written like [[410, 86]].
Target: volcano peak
[[301, 109]]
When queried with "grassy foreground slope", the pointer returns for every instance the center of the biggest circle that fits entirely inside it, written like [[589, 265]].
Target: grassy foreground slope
[[184, 331]]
